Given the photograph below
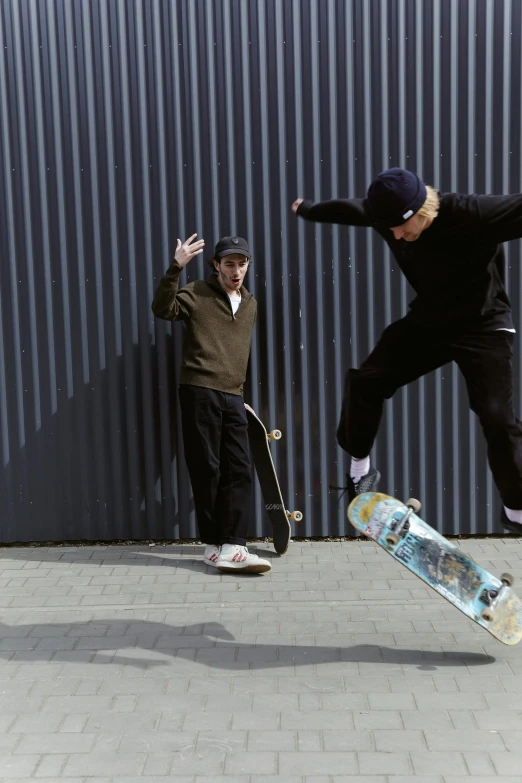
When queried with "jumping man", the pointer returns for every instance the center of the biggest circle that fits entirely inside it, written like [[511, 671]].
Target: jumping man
[[449, 248]]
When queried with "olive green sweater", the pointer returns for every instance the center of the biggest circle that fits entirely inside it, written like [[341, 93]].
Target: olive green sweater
[[216, 344]]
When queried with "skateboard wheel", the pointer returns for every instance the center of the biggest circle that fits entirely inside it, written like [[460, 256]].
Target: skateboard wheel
[[295, 516], [487, 615], [392, 539], [414, 504], [507, 579], [275, 435]]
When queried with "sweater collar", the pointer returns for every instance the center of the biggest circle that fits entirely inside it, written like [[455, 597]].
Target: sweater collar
[[212, 281]]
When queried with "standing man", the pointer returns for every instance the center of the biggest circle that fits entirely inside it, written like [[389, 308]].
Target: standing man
[[219, 315], [449, 248]]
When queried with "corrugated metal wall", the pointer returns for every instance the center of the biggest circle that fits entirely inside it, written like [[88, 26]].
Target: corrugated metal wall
[[127, 123]]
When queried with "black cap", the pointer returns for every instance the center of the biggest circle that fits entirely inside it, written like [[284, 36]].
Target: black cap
[[228, 246], [394, 197]]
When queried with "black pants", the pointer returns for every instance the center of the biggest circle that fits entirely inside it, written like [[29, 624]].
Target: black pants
[[217, 453], [404, 353]]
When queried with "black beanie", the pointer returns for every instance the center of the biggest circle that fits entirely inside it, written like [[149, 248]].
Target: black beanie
[[394, 197]]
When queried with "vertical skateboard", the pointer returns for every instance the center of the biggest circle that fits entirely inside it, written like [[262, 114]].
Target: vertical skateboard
[[481, 596], [275, 508]]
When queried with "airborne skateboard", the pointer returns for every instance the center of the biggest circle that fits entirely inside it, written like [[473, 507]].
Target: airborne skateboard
[[274, 505], [395, 526]]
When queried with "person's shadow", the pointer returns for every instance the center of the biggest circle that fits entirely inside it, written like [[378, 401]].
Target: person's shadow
[[108, 464], [100, 642], [104, 463], [153, 644]]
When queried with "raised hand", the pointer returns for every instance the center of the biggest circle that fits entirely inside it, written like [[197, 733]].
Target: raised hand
[[185, 252], [295, 205]]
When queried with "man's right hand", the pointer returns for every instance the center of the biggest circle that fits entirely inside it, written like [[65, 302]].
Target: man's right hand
[[295, 205], [186, 251]]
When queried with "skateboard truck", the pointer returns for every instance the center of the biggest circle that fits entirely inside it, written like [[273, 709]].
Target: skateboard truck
[[491, 597], [400, 527], [295, 516]]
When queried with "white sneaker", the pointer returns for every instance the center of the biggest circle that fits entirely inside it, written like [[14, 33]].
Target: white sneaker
[[237, 558], [211, 554]]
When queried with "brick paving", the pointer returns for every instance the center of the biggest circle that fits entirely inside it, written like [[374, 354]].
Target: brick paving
[[138, 663]]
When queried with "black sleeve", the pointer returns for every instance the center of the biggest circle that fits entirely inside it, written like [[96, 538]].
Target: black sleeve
[[347, 212], [500, 217]]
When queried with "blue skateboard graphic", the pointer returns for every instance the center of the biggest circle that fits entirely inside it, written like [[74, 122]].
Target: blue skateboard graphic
[[484, 598]]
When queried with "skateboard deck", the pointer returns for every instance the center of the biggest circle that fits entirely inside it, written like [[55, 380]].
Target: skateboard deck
[[275, 508], [481, 596]]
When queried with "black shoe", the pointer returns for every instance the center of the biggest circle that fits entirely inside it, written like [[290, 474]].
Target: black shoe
[[368, 483], [513, 527]]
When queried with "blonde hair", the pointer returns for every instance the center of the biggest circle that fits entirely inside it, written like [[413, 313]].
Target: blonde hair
[[430, 208]]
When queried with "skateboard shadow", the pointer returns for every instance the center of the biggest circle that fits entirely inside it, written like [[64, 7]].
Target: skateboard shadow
[[209, 645]]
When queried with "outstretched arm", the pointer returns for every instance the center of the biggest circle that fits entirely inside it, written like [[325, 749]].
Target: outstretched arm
[[168, 302], [348, 212]]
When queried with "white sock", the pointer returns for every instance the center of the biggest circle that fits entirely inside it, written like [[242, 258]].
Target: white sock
[[513, 516], [359, 468]]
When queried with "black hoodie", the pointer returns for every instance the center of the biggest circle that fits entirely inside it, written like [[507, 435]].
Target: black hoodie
[[456, 267]]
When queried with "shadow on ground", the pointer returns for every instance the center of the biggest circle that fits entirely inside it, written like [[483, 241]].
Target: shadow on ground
[[101, 642]]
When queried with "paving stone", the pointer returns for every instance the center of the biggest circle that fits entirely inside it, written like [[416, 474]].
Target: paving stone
[[429, 763], [293, 677], [103, 764], [323, 763], [18, 766]]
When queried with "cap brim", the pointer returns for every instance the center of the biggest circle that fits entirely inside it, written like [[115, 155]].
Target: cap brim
[[234, 252]]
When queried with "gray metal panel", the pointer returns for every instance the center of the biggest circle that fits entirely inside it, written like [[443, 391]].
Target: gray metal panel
[[128, 123]]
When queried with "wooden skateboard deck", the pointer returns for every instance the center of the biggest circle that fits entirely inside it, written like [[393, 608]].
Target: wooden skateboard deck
[[273, 500], [481, 596]]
